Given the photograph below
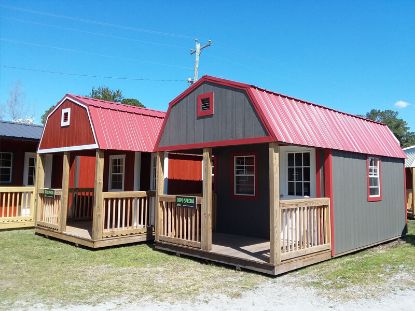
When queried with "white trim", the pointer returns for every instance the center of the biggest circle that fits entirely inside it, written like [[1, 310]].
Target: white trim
[[152, 171], [374, 176], [71, 148], [112, 157], [137, 170], [48, 170], [407, 148], [166, 172], [77, 103], [27, 156], [11, 168], [284, 150], [68, 121]]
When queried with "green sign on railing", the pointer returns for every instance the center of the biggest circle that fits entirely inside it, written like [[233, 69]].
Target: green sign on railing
[[182, 201], [49, 193]]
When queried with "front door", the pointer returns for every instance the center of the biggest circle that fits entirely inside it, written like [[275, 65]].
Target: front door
[[297, 172]]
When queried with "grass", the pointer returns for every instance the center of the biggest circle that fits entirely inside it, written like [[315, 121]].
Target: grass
[[36, 270]]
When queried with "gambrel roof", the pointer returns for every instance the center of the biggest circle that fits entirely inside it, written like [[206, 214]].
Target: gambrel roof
[[294, 121]]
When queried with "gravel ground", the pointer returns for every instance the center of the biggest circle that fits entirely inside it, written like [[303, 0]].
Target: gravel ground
[[277, 294]]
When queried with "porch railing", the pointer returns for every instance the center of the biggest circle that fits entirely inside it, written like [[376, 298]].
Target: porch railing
[[16, 205], [81, 202], [126, 212], [180, 225], [49, 212], [305, 227]]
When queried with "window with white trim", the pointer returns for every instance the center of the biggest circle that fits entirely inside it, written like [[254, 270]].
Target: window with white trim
[[66, 117], [244, 175], [117, 169], [299, 169], [373, 177], [6, 162], [29, 169]]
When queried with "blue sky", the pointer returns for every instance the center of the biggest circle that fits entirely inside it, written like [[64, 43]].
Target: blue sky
[[349, 55]]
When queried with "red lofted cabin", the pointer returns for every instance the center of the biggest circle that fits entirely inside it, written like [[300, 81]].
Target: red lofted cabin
[[96, 172], [18, 145]]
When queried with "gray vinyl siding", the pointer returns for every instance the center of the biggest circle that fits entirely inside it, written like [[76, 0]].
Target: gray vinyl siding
[[234, 118], [238, 215], [357, 222]]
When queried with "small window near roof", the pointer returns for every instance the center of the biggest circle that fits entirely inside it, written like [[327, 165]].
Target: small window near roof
[[205, 104], [374, 179], [66, 117]]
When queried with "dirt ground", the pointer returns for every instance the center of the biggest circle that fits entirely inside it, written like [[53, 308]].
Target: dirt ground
[[276, 294]]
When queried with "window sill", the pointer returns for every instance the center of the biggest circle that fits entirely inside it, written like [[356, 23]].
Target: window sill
[[374, 199]]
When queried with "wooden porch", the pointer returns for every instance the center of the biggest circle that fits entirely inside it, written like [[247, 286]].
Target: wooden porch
[[304, 237], [300, 230], [91, 217], [17, 207]]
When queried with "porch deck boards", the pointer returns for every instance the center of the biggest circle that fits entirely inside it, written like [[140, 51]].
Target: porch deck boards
[[81, 229], [243, 247], [80, 233], [245, 252]]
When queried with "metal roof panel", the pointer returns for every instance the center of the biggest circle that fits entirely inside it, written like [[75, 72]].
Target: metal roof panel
[[123, 127], [19, 130]]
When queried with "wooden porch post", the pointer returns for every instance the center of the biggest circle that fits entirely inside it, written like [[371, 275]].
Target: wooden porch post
[[206, 223], [274, 204], [159, 191], [97, 212], [40, 184], [65, 191]]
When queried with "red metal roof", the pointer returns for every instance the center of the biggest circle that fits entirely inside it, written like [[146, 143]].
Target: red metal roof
[[294, 121], [122, 127]]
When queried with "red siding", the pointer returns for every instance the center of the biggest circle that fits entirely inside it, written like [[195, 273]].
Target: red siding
[[86, 171], [78, 133], [18, 148], [185, 174]]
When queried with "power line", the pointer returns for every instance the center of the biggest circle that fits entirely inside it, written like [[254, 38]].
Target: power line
[[95, 22], [85, 75], [93, 33], [90, 53]]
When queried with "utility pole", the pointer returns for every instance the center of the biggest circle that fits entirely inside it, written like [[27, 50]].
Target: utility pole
[[197, 51]]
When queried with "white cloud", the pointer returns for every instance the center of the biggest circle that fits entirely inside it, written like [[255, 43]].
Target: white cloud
[[401, 104]]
